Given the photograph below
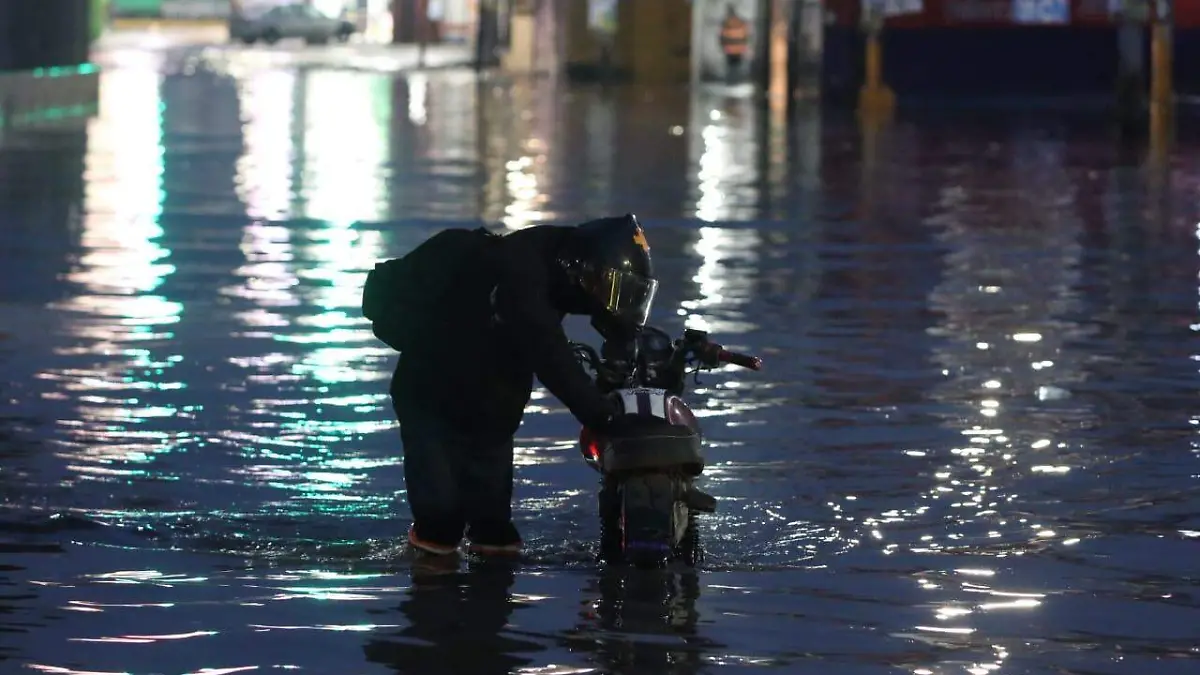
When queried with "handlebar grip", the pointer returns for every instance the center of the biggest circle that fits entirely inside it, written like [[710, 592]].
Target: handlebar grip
[[743, 360]]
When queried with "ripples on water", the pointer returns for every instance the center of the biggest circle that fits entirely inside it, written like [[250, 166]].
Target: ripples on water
[[974, 450]]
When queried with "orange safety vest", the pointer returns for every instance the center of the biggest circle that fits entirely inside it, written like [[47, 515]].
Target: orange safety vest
[[735, 36]]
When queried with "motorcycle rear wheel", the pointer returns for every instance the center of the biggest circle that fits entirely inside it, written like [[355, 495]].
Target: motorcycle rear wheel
[[648, 518]]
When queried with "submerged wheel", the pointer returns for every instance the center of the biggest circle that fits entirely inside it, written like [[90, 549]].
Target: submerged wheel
[[610, 521], [648, 519]]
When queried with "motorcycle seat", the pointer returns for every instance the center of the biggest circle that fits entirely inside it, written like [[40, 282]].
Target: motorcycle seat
[[651, 443]]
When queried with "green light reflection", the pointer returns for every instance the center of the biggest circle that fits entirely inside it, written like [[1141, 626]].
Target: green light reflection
[[119, 274], [344, 181], [303, 279]]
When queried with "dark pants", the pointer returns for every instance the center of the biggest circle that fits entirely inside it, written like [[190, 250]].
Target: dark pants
[[733, 66], [457, 481]]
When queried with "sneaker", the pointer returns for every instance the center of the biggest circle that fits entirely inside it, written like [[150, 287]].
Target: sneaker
[[429, 547], [498, 538]]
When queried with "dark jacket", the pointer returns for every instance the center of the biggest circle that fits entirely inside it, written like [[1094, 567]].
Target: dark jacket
[[473, 362]]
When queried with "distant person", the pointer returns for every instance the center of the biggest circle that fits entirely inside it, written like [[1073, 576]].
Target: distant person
[[475, 316], [735, 41]]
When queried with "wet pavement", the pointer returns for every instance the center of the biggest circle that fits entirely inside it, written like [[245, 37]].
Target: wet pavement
[[973, 450]]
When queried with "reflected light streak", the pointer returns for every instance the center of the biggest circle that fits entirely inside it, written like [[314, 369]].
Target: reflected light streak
[[121, 267], [724, 153], [268, 281], [1195, 420], [715, 166], [267, 100], [723, 287], [418, 91], [525, 198], [147, 639], [1002, 302], [58, 670], [341, 347], [122, 261], [345, 148], [346, 145]]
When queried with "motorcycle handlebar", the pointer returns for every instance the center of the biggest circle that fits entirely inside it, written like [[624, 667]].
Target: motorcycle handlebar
[[743, 360], [693, 344]]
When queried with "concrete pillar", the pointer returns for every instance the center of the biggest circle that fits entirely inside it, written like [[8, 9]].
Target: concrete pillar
[[875, 98], [1162, 62], [521, 54], [534, 37], [654, 39], [651, 43], [1131, 66], [548, 43], [487, 34], [1162, 86], [777, 55], [585, 51], [407, 17]]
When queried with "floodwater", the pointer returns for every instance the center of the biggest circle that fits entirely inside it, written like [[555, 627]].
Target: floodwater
[[973, 450]]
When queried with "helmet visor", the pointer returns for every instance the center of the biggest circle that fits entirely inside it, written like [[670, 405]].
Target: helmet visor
[[624, 295]]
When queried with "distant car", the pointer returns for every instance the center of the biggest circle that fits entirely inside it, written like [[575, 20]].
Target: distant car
[[289, 21]]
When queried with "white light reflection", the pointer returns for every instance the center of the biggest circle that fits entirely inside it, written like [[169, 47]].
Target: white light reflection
[[1195, 420], [724, 155], [346, 145], [523, 194], [267, 100], [729, 261], [516, 140], [342, 346], [418, 90], [267, 279], [716, 163], [346, 141], [120, 317], [1010, 280]]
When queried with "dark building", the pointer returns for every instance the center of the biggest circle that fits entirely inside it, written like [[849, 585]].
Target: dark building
[[954, 49], [44, 34]]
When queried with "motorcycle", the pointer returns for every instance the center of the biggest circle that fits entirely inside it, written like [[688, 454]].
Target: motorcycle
[[650, 457]]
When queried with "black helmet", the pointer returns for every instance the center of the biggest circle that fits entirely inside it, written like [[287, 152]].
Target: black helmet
[[608, 260]]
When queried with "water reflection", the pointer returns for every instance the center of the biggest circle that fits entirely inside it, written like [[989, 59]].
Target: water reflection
[[644, 622], [1006, 353], [725, 151], [119, 317], [344, 149], [332, 266], [516, 132], [725, 280], [267, 100], [723, 147], [305, 350], [436, 149], [889, 495], [15, 600], [458, 623]]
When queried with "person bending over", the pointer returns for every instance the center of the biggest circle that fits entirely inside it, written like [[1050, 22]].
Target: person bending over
[[475, 316]]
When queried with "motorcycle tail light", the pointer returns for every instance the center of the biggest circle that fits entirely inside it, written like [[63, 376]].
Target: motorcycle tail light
[[589, 445]]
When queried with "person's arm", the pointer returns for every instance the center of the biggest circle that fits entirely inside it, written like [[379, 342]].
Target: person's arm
[[523, 308]]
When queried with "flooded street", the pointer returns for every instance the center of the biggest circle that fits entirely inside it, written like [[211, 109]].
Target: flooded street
[[973, 449]]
